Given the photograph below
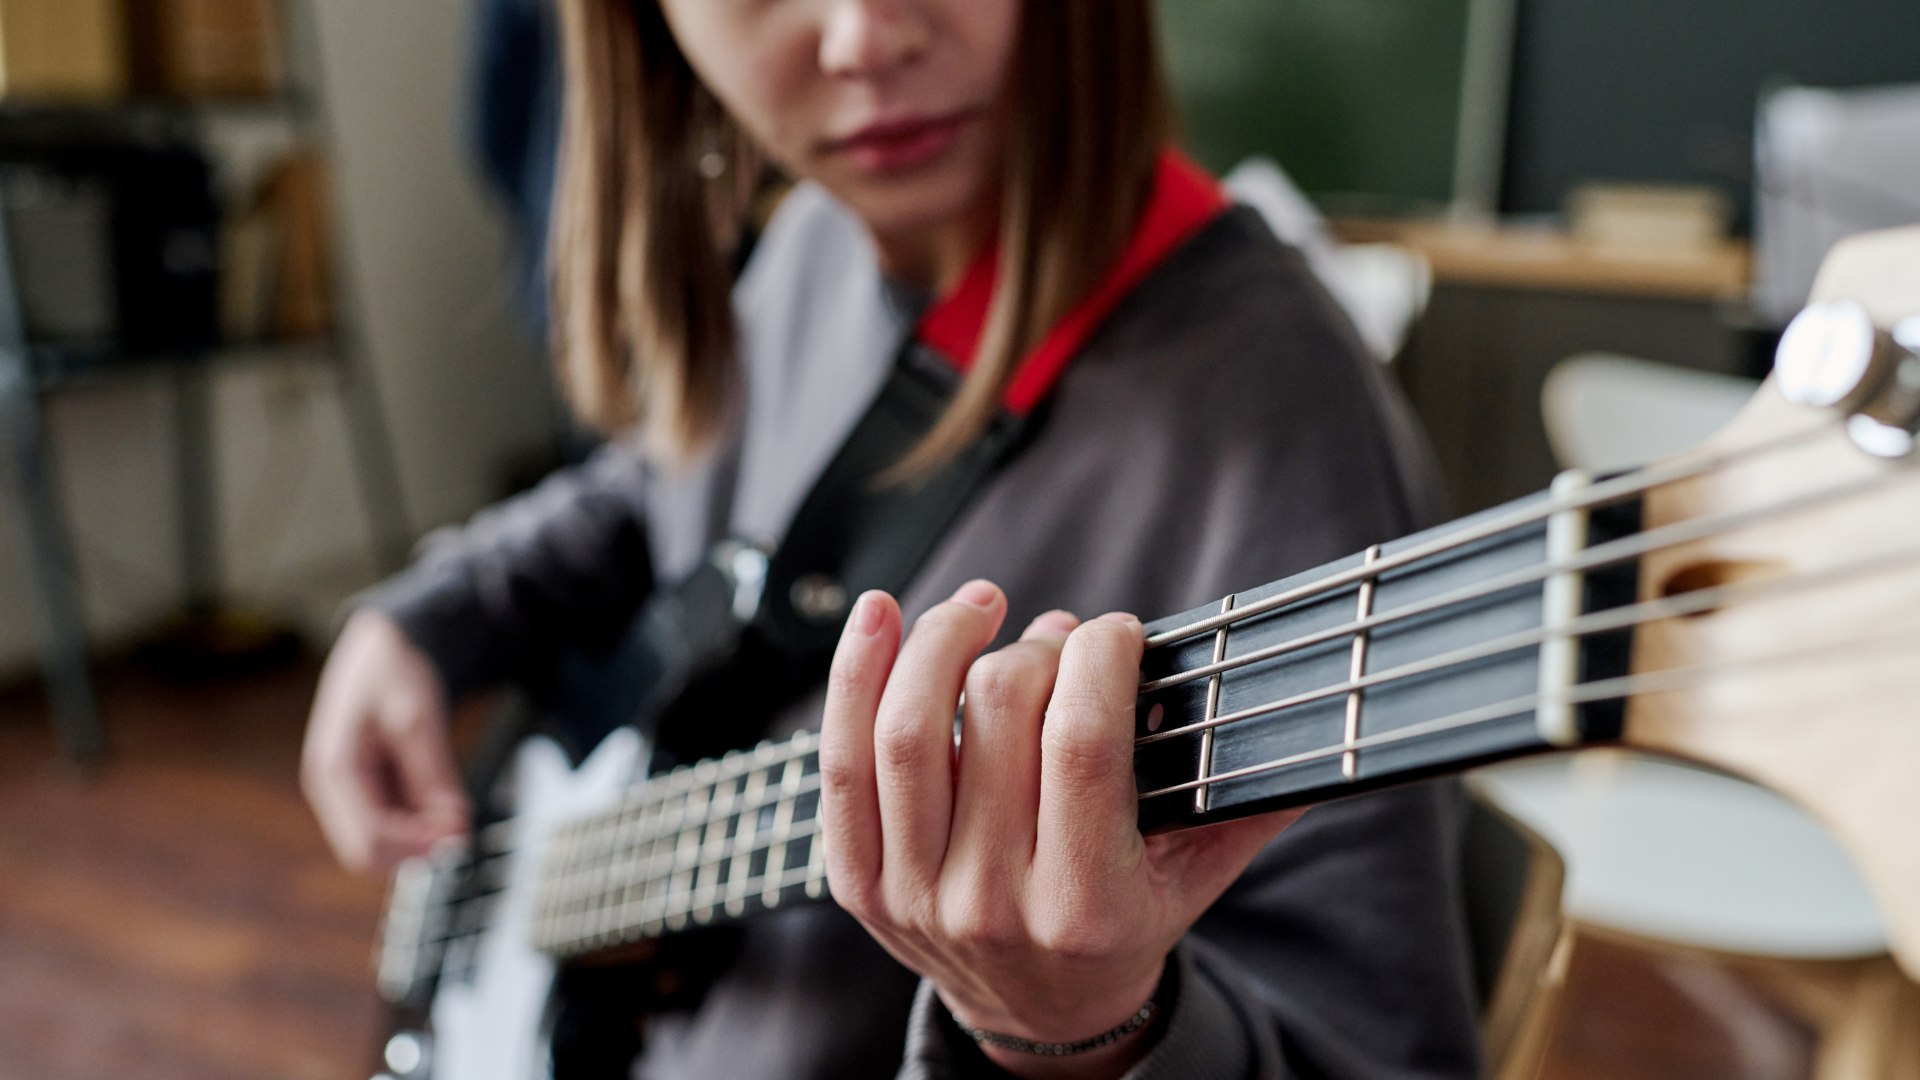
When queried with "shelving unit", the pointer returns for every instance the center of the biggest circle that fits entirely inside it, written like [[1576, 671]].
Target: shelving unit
[[30, 372]]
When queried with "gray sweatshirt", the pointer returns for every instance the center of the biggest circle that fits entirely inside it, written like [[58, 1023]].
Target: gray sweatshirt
[[1223, 429]]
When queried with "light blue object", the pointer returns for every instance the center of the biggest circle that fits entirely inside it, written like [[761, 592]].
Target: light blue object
[[1605, 413], [1669, 851]]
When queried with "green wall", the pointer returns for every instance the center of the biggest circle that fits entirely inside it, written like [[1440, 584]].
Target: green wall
[[1351, 96]]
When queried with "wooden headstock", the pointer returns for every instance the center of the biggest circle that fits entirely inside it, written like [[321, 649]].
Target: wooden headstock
[[1815, 692]]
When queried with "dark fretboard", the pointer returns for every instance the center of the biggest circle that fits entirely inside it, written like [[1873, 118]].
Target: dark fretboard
[[720, 839], [1455, 646]]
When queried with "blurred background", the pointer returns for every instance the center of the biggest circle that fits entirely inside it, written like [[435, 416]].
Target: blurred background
[[269, 312]]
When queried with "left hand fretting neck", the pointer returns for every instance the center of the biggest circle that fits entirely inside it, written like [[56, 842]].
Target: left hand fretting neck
[[1426, 655]]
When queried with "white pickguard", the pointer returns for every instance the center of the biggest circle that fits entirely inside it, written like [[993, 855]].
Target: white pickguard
[[491, 1026]]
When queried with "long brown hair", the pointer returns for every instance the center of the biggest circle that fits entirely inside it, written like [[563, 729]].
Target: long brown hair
[[655, 180]]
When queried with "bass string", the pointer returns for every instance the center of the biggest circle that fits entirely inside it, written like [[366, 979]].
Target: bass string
[[1601, 494], [693, 899], [1612, 491], [497, 844], [686, 902], [1612, 620], [699, 897], [743, 818], [1621, 688], [1611, 553], [1736, 594]]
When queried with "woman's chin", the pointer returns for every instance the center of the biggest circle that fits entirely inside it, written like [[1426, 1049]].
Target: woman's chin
[[935, 195]]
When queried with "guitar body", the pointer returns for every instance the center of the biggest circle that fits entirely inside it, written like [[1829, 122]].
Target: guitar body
[[1754, 605], [490, 1010], [1836, 725]]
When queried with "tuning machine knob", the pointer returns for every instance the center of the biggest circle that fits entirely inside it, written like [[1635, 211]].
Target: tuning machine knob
[[1832, 356]]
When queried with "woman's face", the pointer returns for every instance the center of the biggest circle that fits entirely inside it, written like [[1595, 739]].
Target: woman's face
[[890, 104]]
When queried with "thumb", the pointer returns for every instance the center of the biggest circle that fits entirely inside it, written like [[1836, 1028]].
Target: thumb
[[421, 757]]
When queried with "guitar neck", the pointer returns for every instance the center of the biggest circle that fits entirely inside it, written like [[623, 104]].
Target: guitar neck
[[710, 842], [1469, 643], [1450, 648]]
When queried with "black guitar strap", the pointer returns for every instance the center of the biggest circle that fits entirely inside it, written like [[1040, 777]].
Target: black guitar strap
[[750, 632], [709, 664]]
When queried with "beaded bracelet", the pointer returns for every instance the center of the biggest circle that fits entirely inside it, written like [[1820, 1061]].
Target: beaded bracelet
[[1028, 1046]]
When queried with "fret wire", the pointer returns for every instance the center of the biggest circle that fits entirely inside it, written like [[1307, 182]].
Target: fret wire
[[1599, 622], [672, 798], [576, 869], [1594, 623], [692, 858], [801, 830], [743, 857], [713, 847], [772, 881], [782, 826], [1599, 555], [815, 877], [579, 861], [686, 853], [1599, 494], [652, 827], [713, 854], [1624, 686], [1200, 797], [607, 883], [564, 855], [646, 818], [704, 840], [554, 884], [807, 785], [563, 851], [1357, 670], [708, 857], [654, 793], [666, 849], [607, 915], [668, 845], [1511, 707], [606, 851], [776, 878], [742, 852], [580, 900], [758, 884]]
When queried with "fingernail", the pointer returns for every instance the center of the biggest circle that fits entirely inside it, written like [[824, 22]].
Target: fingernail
[[1119, 617], [978, 594], [1053, 622], [866, 614]]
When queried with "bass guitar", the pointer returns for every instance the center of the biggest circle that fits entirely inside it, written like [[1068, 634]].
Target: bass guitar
[[1753, 604]]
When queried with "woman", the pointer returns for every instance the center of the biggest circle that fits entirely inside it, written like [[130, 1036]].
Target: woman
[[987, 179]]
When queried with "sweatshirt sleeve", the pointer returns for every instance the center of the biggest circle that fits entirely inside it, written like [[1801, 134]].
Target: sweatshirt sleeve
[[1207, 1032], [497, 598]]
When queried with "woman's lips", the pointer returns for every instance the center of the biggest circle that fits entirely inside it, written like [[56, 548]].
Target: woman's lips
[[901, 144]]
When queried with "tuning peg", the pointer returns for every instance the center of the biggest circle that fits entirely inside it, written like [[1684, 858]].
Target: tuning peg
[[1832, 356]]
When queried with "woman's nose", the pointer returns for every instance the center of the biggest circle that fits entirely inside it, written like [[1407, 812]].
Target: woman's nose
[[864, 38]]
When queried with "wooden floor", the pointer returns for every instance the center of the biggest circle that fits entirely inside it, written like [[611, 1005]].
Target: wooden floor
[[176, 915]]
